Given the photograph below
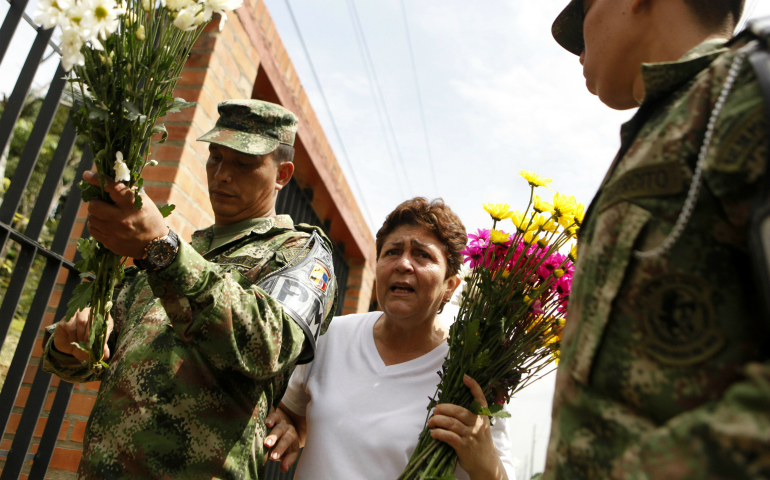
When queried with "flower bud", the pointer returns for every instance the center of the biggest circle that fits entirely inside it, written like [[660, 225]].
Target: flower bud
[[140, 35], [153, 163], [558, 272], [146, 5]]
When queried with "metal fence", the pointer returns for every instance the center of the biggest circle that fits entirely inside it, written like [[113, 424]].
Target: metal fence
[[44, 256]]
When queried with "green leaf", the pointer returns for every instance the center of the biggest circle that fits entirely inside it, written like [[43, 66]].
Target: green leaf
[[98, 114], [496, 410], [166, 209], [81, 299], [80, 346], [160, 128], [482, 361], [88, 192], [178, 104], [138, 202], [471, 337]]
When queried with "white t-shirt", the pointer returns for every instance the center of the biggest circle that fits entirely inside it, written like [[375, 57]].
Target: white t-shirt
[[363, 416]]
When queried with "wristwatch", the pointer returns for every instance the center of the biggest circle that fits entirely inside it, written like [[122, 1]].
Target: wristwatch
[[159, 253]]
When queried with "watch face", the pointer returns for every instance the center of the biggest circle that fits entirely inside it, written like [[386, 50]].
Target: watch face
[[161, 253]]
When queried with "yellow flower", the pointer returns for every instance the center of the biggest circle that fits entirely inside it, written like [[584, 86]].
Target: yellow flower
[[580, 213], [558, 272], [573, 253], [556, 354], [541, 206], [543, 223], [523, 225], [534, 179], [566, 221], [506, 273], [527, 300], [563, 205], [498, 211], [498, 237]]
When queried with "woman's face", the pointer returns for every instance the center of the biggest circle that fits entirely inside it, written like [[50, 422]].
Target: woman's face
[[411, 271]]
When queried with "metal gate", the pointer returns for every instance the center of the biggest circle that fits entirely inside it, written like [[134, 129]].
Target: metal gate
[[32, 245]]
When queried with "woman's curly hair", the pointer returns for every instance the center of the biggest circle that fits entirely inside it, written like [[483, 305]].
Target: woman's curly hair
[[437, 217]]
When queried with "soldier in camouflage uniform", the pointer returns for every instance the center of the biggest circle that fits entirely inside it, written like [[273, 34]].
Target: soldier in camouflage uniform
[[199, 352], [665, 367]]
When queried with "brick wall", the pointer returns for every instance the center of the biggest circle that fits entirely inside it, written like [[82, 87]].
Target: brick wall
[[245, 60]]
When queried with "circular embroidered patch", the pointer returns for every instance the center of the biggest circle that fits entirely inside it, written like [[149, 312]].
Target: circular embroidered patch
[[678, 320]]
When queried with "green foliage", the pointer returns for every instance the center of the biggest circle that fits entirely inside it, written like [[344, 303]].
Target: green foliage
[[494, 410], [166, 209]]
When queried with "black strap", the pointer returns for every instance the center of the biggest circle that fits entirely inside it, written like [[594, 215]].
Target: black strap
[[759, 229]]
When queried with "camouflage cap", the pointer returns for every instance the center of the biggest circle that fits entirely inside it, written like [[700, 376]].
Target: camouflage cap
[[253, 127], [568, 27]]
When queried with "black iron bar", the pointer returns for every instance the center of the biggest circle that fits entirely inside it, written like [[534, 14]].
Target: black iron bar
[[19, 94], [51, 432], [34, 25], [45, 288], [15, 289], [53, 178], [24, 240], [31, 151], [10, 23], [34, 405]]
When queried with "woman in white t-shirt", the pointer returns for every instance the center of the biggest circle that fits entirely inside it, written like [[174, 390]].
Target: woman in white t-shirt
[[361, 404]]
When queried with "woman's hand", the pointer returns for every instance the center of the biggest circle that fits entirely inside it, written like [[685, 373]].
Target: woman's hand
[[470, 435], [284, 438]]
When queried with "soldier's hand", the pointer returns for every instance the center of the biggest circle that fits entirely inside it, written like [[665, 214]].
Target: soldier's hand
[[283, 438], [76, 330], [122, 228]]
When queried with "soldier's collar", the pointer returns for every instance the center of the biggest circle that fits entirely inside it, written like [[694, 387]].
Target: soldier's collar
[[661, 79], [201, 239]]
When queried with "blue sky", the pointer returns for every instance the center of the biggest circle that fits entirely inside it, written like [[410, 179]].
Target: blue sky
[[499, 95]]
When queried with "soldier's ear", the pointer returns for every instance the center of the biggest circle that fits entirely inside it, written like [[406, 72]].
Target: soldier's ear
[[284, 171]]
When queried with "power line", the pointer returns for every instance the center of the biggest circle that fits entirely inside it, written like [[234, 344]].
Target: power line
[[374, 97], [357, 20], [419, 96], [329, 111]]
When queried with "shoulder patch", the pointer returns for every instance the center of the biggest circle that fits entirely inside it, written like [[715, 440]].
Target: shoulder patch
[[678, 320], [656, 180]]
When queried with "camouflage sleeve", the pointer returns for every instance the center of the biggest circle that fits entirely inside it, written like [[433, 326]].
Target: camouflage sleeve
[[66, 367], [231, 321], [69, 368], [725, 439]]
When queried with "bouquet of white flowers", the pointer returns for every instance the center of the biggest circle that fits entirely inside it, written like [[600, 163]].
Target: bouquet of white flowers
[[125, 61]]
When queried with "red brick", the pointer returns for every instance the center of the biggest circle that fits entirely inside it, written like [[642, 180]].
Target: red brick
[[205, 43], [78, 431], [65, 459], [201, 59], [192, 77], [29, 373], [5, 444], [37, 349], [93, 386], [49, 401], [81, 404]]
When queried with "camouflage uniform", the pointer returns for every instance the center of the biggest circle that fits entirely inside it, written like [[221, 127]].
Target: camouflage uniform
[[665, 370], [198, 355]]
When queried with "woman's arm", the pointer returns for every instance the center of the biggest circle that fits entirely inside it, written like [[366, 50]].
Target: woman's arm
[[470, 435], [288, 434]]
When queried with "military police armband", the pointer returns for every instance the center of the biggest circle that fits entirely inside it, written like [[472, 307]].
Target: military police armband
[[303, 289]]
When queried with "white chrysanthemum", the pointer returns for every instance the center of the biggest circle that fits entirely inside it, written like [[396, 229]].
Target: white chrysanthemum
[[220, 7], [122, 173], [72, 42], [186, 18], [51, 13], [102, 20], [78, 18], [177, 5]]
